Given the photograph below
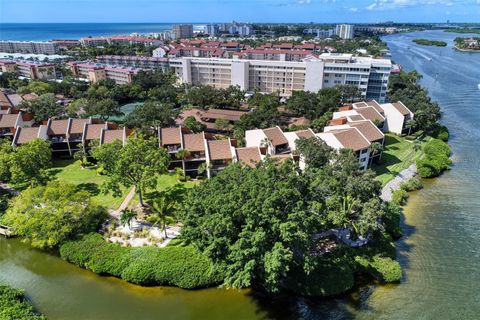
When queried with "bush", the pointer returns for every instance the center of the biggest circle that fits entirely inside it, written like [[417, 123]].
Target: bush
[[381, 268], [14, 305], [411, 185], [440, 132], [399, 197], [182, 267], [391, 220], [327, 279], [436, 160]]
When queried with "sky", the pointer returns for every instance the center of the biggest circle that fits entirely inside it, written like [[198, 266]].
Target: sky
[[319, 11]]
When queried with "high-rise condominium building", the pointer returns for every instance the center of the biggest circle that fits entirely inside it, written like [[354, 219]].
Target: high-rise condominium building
[[345, 31], [212, 30], [182, 31], [28, 47]]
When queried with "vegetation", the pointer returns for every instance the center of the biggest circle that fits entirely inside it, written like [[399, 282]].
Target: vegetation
[[436, 159], [257, 223], [44, 107], [207, 96], [137, 164], [426, 42], [26, 164], [463, 30], [183, 267], [399, 154], [152, 114], [404, 87], [14, 305], [399, 197], [382, 268], [46, 216], [460, 43]]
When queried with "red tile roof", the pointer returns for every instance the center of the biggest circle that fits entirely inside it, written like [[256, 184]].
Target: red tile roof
[[219, 149]]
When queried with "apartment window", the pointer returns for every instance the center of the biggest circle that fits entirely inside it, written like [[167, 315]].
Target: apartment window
[[364, 151]]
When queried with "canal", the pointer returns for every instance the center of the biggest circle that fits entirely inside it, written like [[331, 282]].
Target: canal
[[439, 252]]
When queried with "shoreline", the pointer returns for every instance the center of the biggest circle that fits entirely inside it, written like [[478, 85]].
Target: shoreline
[[465, 50], [395, 183]]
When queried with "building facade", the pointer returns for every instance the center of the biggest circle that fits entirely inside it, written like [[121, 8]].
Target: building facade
[[35, 47], [345, 31], [182, 31]]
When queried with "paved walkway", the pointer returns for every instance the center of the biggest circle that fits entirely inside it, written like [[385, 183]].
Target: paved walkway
[[394, 184], [116, 213]]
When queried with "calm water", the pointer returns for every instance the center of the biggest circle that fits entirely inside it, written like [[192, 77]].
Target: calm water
[[440, 252], [49, 31]]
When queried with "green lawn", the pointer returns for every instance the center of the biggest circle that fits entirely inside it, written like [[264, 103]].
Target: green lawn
[[398, 155], [70, 171]]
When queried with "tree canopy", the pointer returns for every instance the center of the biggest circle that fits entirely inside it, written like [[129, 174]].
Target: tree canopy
[[152, 114], [47, 216], [44, 107]]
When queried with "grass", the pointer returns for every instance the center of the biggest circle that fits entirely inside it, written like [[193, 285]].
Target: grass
[[70, 171], [398, 155]]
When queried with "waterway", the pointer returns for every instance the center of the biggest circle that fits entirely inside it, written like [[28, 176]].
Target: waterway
[[439, 252]]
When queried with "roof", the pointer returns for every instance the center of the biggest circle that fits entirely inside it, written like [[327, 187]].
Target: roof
[[351, 139], [401, 108], [376, 105], [370, 113], [276, 136], [93, 131], [194, 142], [27, 134], [58, 127], [4, 101], [231, 115], [170, 136], [219, 149], [249, 156], [78, 125], [15, 99], [356, 117], [305, 133], [368, 129], [112, 135], [8, 120]]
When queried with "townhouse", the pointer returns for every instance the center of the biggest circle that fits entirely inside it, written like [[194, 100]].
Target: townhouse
[[10, 122], [273, 139]]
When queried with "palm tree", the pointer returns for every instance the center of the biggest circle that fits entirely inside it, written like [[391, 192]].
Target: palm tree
[[377, 148], [126, 217], [162, 206], [410, 124]]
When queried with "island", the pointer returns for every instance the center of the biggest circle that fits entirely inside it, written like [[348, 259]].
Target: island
[[467, 44], [426, 42]]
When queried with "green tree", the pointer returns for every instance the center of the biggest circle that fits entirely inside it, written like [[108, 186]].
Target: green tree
[[47, 216], [104, 108], [222, 124], [106, 155], [138, 164], [152, 114], [127, 216], [30, 161], [6, 151], [191, 123], [43, 108], [349, 93], [315, 152], [76, 107]]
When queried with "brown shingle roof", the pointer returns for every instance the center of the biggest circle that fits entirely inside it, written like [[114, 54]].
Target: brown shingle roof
[[370, 113], [93, 131], [305, 133], [376, 105], [170, 136], [351, 139], [78, 125], [401, 108], [194, 142], [356, 117], [275, 135], [249, 156], [27, 134], [8, 120], [219, 149], [58, 127], [112, 135], [231, 115], [4, 101], [368, 129]]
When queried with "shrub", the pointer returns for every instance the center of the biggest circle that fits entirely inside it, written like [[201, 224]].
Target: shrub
[[436, 159], [399, 197], [381, 268], [14, 305], [183, 267], [440, 132], [327, 279], [411, 185], [391, 220]]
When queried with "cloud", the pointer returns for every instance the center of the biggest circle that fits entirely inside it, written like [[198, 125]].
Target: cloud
[[380, 5]]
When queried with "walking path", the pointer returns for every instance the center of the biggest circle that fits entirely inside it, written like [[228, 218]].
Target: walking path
[[116, 213], [394, 184]]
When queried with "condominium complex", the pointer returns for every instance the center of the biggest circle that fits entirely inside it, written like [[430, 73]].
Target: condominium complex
[[28, 47], [95, 72], [310, 74], [182, 31], [29, 69], [126, 40], [345, 31]]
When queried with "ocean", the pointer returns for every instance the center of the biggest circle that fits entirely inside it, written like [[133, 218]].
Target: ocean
[[49, 31]]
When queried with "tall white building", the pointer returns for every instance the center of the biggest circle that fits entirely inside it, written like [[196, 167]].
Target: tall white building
[[345, 31], [211, 29], [36, 47], [312, 74]]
